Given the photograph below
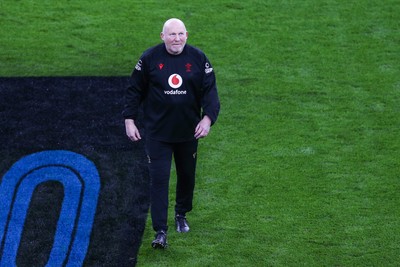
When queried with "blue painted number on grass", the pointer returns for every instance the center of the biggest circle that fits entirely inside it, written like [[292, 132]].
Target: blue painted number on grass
[[81, 183]]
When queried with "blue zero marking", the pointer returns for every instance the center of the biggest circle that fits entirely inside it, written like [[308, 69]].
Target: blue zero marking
[[81, 183]]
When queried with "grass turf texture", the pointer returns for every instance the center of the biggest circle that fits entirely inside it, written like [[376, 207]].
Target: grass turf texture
[[302, 167]]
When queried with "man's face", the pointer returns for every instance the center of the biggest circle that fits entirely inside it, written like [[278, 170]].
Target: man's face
[[174, 36]]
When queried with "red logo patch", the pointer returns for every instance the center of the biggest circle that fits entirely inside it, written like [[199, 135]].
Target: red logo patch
[[175, 81], [188, 67]]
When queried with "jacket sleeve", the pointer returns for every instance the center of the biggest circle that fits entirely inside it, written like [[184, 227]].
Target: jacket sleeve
[[136, 92], [210, 101]]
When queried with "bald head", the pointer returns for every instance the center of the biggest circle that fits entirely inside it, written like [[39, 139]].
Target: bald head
[[173, 22], [174, 36]]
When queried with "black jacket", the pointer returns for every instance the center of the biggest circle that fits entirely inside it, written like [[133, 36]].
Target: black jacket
[[175, 90]]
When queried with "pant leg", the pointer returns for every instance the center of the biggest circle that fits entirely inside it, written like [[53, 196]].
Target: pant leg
[[185, 155], [159, 163]]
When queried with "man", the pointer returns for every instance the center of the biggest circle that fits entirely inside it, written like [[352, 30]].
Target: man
[[176, 85]]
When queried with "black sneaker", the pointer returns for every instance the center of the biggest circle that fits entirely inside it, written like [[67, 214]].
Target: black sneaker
[[160, 240], [181, 223]]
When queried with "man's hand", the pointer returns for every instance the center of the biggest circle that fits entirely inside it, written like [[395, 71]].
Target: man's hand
[[203, 128], [131, 130]]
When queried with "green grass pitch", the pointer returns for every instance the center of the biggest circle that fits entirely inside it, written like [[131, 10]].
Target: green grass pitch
[[302, 168]]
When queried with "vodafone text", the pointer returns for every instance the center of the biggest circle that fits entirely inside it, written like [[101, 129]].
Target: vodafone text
[[175, 92]]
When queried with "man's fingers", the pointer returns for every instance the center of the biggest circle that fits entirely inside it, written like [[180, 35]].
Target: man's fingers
[[201, 132], [135, 136]]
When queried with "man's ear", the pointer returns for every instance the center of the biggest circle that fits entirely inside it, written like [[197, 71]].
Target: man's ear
[[162, 36]]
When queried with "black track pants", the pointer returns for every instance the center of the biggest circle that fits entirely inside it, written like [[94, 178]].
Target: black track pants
[[160, 158]]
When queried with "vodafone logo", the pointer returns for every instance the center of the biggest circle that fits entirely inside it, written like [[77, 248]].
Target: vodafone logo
[[175, 81]]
